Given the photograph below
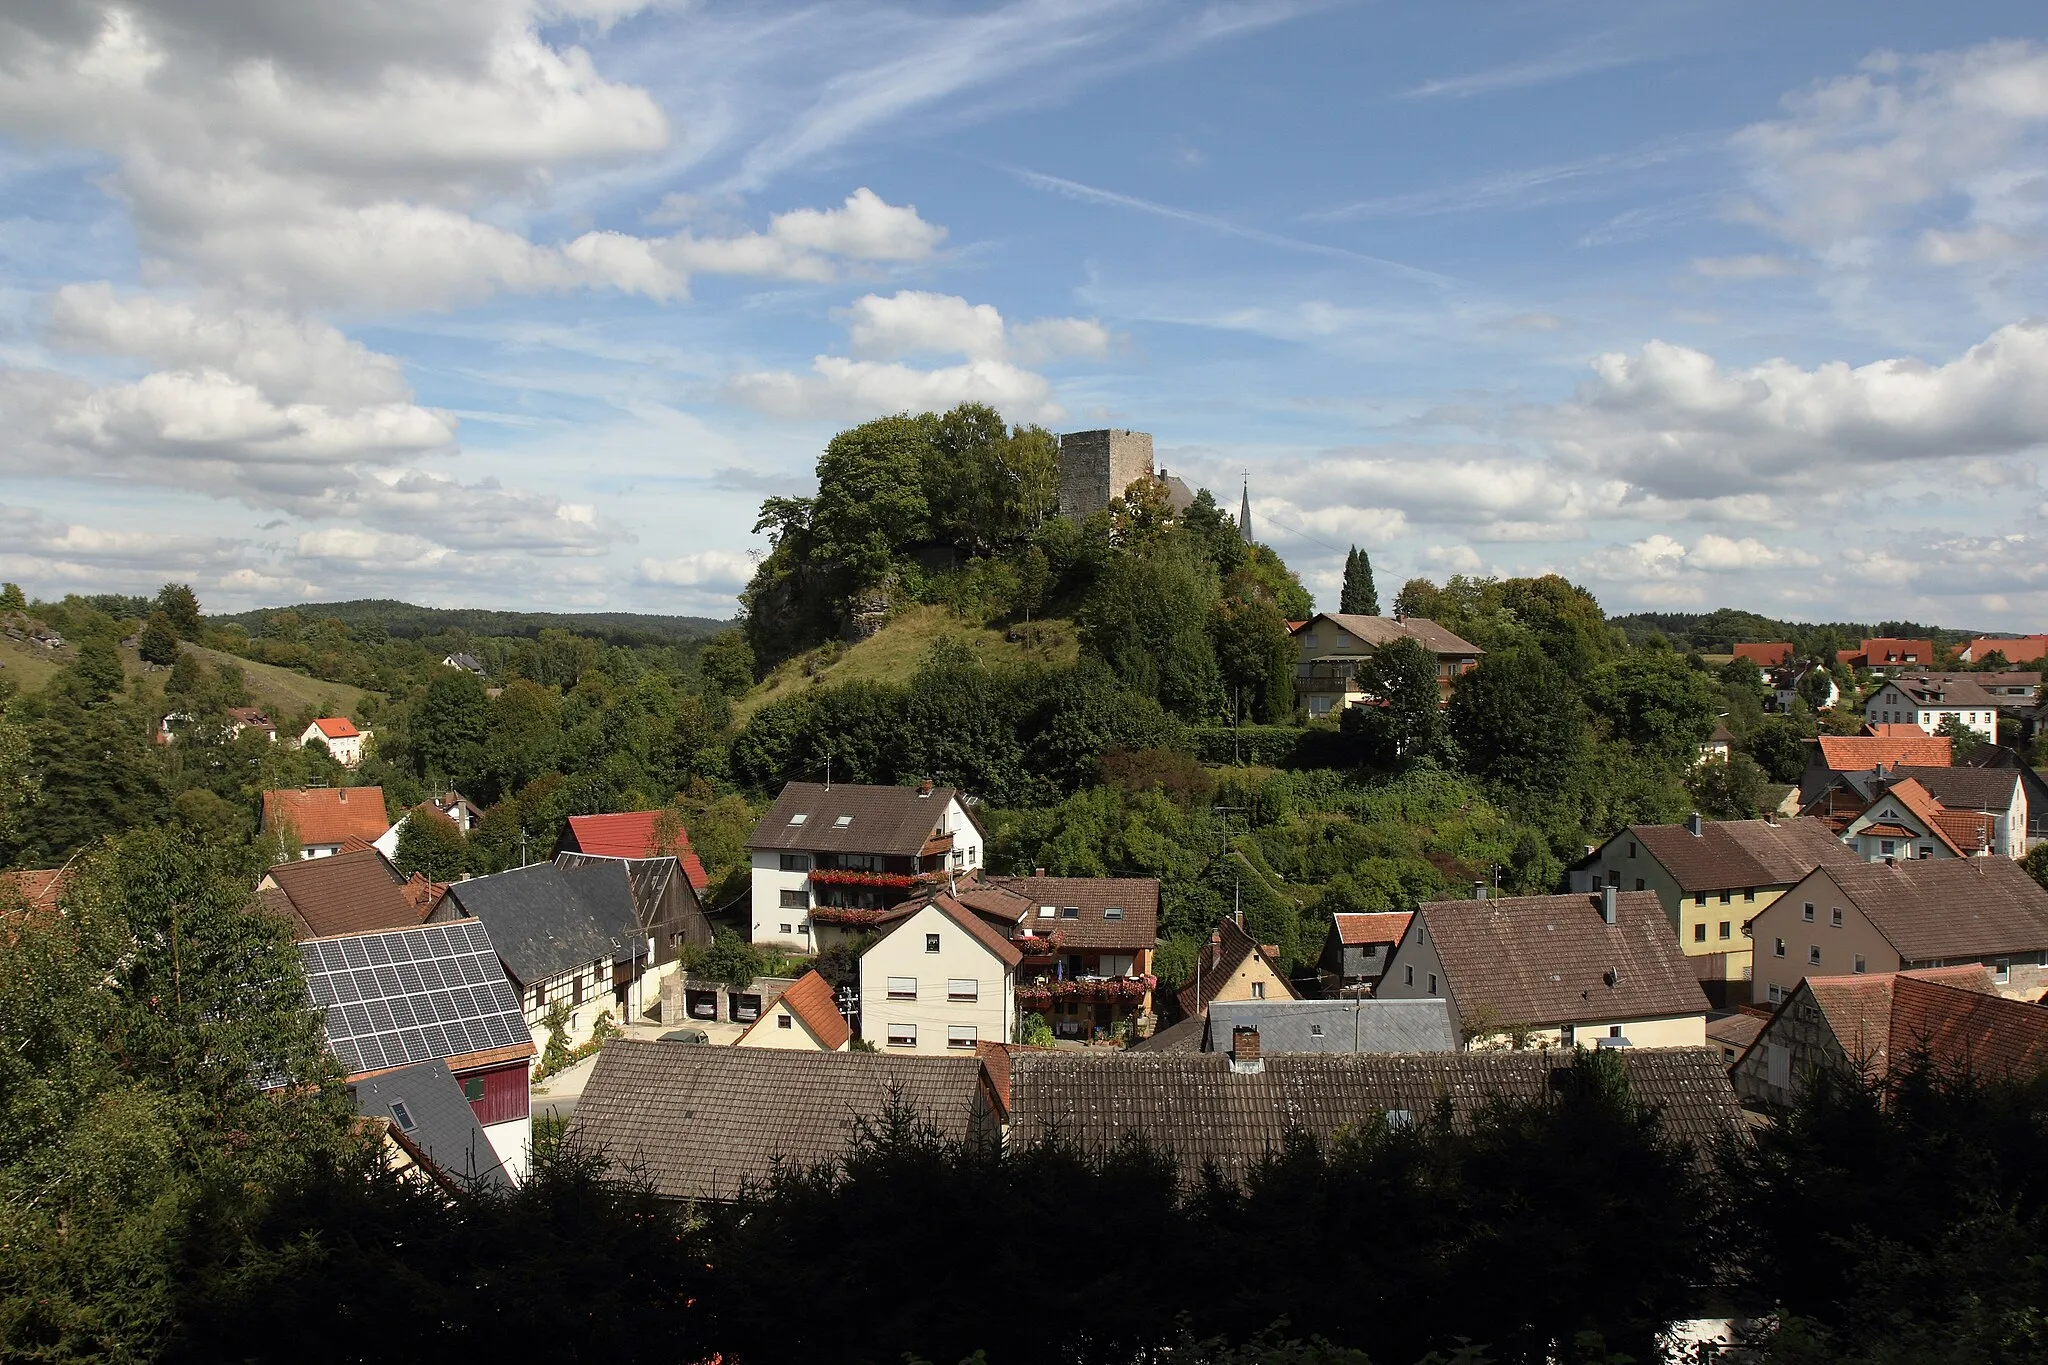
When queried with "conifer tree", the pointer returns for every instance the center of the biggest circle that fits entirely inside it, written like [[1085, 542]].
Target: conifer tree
[[1360, 597]]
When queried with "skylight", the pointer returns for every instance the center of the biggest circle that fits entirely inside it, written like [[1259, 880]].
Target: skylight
[[798, 818], [402, 1114], [842, 822]]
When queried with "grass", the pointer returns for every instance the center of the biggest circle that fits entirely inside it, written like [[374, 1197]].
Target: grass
[[279, 691], [894, 653], [25, 665]]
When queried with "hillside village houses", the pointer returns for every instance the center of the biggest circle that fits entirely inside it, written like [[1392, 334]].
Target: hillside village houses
[[343, 740], [2024, 649], [1335, 647], [939, 980], [803, 1018], [1928, 702], [323, 819], [1886, 654]]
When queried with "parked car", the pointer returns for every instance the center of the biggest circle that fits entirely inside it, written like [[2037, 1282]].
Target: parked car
[[686, 1035]]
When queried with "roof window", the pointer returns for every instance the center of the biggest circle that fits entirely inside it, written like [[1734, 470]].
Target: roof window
[[403, 1115], [1070, 912], [842, 822], [1113, 912], [798, 818]]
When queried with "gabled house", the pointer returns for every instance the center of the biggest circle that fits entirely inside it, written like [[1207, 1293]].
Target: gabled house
[[830, 859], [1569, 970], [468, 663], [239, 721], [700, 1123], [664, 901], [2022, 649], [633, 834], [322, 819], [347, 893], [1087, 945], [1861, 918], [1888, 655], [435, 992], [1718, 745], [343, 740], [1711, 877], [1233, 965], [2033, 787], [1785, 683], [427, 1129], [1356, 951], [1334, 647], [1831, 756], [1905, 821], [803, 1018], [940, 980], [567, 936], [1871, 1026], [1916, 699], [1997, 794]]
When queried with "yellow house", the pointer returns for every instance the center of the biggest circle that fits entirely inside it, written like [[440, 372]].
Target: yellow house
[[803, 1018], [940, 980], [1333, 648], [1234, 966], [1552, 971], [1712, 877]]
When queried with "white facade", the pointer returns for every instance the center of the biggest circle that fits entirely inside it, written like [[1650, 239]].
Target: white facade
[[586, 993], [782, 894], [930, 986], [513, 1143], [1890, 705], [347, 749]]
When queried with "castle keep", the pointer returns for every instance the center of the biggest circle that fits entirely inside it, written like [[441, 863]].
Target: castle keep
[[1096, 466]]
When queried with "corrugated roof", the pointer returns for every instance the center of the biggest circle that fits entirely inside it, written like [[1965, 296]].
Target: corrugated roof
[[547, 920], [633, 834], [889, 820], [424, 1102], [701, 1121], [1935, 908], [327, 815], [345, 894], [1337, 1025], [1358, 931]]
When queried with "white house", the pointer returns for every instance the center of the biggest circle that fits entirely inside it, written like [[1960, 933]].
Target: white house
[[1927, 702], [939, 980], [341, 737], [834, 857], [1905, 821], [460, 810], [1785, 686]]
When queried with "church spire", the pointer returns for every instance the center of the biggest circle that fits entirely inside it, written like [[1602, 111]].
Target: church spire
[[1244, 515]]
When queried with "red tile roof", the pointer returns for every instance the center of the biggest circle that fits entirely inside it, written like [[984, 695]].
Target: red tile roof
[[1766, 655], [327, 815], [1860, 753], [1893, 730], [337, 727], [632, 834], [2024, 649], [810, 999], [1355, 931], [1887, 651], [1953, 1016], [38, 888]]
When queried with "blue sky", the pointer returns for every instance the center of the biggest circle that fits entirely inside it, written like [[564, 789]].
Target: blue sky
[[507, 303]]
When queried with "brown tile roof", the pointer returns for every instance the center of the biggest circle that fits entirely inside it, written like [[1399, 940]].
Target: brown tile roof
[[1093, 931], [1927, 691], [348, 893], [1860, 753], [1863, 1014], [889, 820], [327, 815], [1380, 630], [1741, 853], [1935, 908], [701, 1121], [1220, 957], [1736, 1031], [1960, 788], [1193, 1105], [1544, 960], [1355, 931], [38, 888], [809, 998], [1957, 1028]]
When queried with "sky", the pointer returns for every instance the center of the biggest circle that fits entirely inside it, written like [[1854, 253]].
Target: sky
[[529, 303]]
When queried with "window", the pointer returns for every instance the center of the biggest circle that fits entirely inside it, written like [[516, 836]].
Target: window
[[798, 818], [796, 862], [783, 1021], [1315, 1030], [1749, 893], [1614, 1030], [1727, 896], [1258, 990], [1722, 931], [402, 1115], [1927, 850], [1806, 912], [1113, 912], [803, 926], [795, 900], [1639, 883], [1048, 912], [1699, 933], [784, 929], [960, 1035], [1777, 995], [1887, 847], [1860, 969], [1411, 977], [1813, 954], [1777, 947], [577, 990], [842, 822], [1432, 983], [1835, 917], [963, 988], [1700, 899], [1613, 877], [903, 988], [2001, 970], [1631, 850], [472, 1088], [902, 1035], [931, 943], [1070, 912]]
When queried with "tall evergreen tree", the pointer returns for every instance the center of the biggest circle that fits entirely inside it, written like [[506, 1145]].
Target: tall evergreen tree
[[1360, 597]]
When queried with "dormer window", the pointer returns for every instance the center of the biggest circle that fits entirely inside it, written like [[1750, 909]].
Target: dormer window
[[1048, 912]]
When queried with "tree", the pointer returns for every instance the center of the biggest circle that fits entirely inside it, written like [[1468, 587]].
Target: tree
[[180, 605], [11, 598], [159, 642], [731, 961], [431, 845], [1652, 701], [1518, 719], [1034, 580], [1402, 719], [1963, 741], [727, 662], [96, 675], [1359, 597], [1148, 619], [1731, 790], [1255, 656], [1816, 688], [1778, 746], [448, 728]]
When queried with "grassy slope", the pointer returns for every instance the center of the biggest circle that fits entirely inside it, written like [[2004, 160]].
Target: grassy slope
[[278, 690], [893, 654]]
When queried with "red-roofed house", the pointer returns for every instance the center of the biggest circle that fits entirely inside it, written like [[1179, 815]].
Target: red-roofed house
[[1769, 655], [1356, 952], [632, 834], [1887, 655], [2022, 649], [324, 818], [1905, 821], [804, 1018], [342, 738]]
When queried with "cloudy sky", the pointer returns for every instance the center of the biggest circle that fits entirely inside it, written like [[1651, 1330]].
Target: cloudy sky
[[530, 302]]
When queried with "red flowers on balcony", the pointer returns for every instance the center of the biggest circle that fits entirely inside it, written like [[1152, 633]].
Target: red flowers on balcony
[[1107, 990], [846, 917], [832, 876]]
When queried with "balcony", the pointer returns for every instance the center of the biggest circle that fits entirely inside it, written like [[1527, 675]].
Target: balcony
[[845, 917], [894, 881], [1101, 990], [1039, 946]]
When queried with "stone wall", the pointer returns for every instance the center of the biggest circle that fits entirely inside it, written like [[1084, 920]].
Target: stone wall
[[1096, 466]]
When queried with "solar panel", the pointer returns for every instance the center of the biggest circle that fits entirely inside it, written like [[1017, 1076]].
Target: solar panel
[[411, 995]]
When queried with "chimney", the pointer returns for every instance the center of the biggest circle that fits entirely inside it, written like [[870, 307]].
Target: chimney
[[1479, 891], [1038, 872], [1238, 915], [1692, 824], [1244, 1050], [1609, 902], [1771, 816], [1890, 860], [924, 788]]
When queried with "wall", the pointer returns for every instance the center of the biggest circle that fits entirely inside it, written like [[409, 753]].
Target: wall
[[513, 1142], [902, 953], [1096, 466], [1839, 947], [768, 916], [1716, 959], [769, 1033], [1410, 969], [598, 997], [1800, 1030]]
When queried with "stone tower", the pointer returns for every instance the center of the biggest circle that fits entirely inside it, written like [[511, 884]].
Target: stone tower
[[1096, 466]]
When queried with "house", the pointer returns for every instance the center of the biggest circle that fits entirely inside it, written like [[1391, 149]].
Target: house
[[1711, 877], [1772, 655], [1927, 702], [566, 936], [432, 992], [1356, 951], [1335, 1025], [1905, 821], [1832, 755], [346, 743], [1888, 655], [1229, 1110], [1087, 945], [803, 1018], [1858, 918], [835, 857], [348, 893], [633, 834], [664, 902], [2015, 690], [427, 1128], [2033, 787], [1718, 745], [939, 980], [239, 721], [1785, 686], [322, 819], [1997, 792], [1731, 1033], [1566, 970], [1335, 647], [1869, 1026], [702, 1123], [456, 808], [468, 663], [1233, 965], [2022, 649]]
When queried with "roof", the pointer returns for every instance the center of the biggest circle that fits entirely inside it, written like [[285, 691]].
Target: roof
[[1961, 788], [1197, 1108], [337, 727], [1357, 931], [1956, 1026], [1219, 958], [1735, 1030], [1337, 1025], [38, 888], [250, 716], [1136, 898], [1380, 630], [1853, 753], [1887, 649], [327, 815], [633, 834], [1765, 655], [647, 879], [1934, 908], [411, 995], [976, 927], [810, 999], [547, 920], [890, 820], [429, 1117], [1732, 853], [1921, 805], [1894, 730], [1186, 1036], [699, 1122], [2022, 649], [344, 894], [1926, 691], [1546, 960]]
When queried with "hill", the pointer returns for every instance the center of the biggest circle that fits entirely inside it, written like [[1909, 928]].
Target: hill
[[893, 654], [407, 621], [280, 691]]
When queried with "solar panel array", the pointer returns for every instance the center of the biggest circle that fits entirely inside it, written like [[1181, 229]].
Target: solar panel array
[[412, 995]]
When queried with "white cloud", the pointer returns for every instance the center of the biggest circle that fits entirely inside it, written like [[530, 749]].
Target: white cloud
[[1754, 267], [354, 545], [912, 322], [722, 569], [863, 229], [1719, 554], [1452, 558]]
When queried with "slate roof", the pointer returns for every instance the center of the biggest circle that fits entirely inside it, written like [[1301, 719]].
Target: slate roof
[[411, 995], [547, 920], [888, 820], [646, 878], [1935, 908], [810, 999], [327, 815], [1860, 753], [1200, 1110], [1358, 931], [1543, 960], [1092, 930], [1380, 630], [701, 1121], [1741, 853], [1337, 1025], [424, 1106], [343, 894], [632, 834]]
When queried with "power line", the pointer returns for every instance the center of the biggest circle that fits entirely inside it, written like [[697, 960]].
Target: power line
[[1304, 535]]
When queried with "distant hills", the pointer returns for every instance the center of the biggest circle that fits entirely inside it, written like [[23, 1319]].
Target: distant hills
[[407, 621]]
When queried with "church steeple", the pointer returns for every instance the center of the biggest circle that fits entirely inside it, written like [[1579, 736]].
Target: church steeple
[[1244, 513]]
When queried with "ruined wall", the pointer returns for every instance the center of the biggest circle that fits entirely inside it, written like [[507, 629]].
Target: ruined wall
[[1096, 466]]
